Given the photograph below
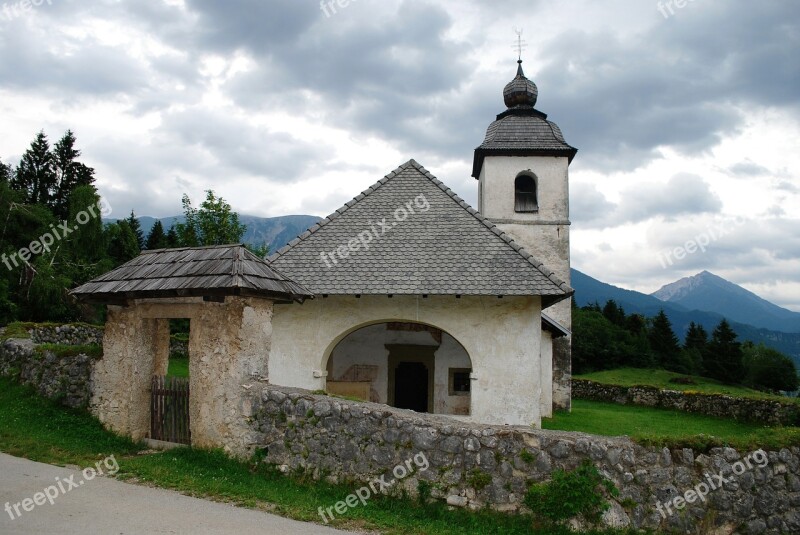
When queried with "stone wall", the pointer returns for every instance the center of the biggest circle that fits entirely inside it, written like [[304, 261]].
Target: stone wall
[[72, 334], [751, 410], [67, 379], [473, 465]]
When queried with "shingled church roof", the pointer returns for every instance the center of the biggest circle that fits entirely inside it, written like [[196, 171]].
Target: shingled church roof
[[192, 272], [410, 234]]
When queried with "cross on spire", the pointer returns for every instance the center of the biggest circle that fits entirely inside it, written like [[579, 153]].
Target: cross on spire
[[520, 45]]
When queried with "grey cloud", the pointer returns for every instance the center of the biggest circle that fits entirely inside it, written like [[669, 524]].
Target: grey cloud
[[236, 144], [589, 208], [683, 194], [748, 168]]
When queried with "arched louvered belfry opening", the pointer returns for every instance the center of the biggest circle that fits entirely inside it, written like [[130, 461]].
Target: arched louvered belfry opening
[[525, 195]]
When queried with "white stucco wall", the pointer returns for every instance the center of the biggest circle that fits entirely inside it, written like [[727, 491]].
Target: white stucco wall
[[544, 234], [501, 336], [547, 375]]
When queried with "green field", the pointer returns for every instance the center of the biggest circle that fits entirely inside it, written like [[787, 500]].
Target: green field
[[668, 427], [178, 367], [661, 379]]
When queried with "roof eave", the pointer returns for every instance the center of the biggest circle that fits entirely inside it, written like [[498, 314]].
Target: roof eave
[[481, 153], [124, 297], [553, 327]]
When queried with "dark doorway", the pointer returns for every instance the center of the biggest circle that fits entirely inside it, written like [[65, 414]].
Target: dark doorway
[[411, 386], [411, 369]]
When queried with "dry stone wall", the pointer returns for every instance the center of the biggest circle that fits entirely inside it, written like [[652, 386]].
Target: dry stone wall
[[67, 379], [472, 465], [749, 410], [73, 334]]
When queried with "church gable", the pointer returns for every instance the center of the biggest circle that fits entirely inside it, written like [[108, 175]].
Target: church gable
[[410, 234]]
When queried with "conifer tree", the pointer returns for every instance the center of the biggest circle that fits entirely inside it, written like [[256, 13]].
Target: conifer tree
[[35, 175], [136, 227], [156, 239], [663, 342], [724, 359]]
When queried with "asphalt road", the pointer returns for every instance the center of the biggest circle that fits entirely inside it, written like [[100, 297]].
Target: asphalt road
[[106, 506]]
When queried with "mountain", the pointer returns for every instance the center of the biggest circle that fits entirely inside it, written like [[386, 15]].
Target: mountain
[[589, 290], [708, 292], [274, 231]]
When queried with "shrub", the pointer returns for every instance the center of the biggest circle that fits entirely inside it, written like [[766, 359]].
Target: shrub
[[478, 479], [570, 494]]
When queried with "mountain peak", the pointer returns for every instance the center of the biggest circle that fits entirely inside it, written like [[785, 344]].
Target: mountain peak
[[711, 293]]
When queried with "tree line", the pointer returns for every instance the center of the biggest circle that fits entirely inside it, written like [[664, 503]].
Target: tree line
[[53, 237], [607, 338]]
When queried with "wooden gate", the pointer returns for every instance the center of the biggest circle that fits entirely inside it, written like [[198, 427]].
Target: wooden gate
[[169, 409]]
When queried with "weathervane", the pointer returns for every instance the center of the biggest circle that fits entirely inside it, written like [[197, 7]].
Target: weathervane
[[520, 45]]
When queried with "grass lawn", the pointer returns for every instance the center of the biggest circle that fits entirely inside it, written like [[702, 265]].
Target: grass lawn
[[178, 367], [673, 428], [38, 429], [661, 379]]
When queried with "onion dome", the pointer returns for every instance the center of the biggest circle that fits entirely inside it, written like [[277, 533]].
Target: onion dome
[[520, 91]]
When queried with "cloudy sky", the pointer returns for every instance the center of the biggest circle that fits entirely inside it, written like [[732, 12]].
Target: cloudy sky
[[687, 119]]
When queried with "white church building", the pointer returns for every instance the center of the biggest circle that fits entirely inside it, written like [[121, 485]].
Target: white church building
[[405, 296], [422, 302]]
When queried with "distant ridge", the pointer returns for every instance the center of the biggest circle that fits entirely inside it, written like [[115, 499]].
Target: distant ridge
[[589, 290], [709, 292], [274, 231]]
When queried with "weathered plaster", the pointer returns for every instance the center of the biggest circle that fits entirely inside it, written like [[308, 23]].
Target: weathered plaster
[[132, 354], [545, 234], [229, 347], [547, 375]]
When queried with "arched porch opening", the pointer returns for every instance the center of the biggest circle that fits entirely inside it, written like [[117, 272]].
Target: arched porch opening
[[408, 365]]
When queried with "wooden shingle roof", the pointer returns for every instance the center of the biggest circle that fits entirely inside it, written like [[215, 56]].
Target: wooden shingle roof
[[192, 272]]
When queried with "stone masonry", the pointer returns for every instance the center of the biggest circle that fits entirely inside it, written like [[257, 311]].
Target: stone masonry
[[474, 465], [67, 379]]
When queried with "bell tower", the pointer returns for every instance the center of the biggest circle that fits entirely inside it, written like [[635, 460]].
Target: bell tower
[[522, 169]]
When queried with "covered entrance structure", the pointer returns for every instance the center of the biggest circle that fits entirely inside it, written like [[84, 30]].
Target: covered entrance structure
[[227, 293]]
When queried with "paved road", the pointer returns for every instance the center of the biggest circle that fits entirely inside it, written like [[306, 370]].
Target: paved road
[[106, 506]]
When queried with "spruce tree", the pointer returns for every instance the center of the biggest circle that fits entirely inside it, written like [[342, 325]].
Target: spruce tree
[[136, 227], [724, 359], [664, 343], [35, 175], [5, 173], [696, 337], [156, 239], [172, 238], [69, 174]]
